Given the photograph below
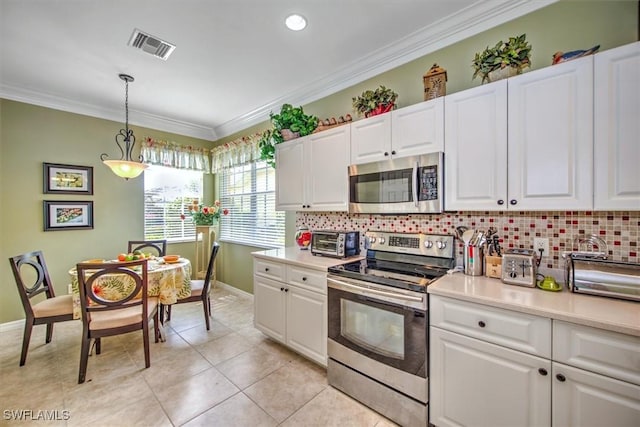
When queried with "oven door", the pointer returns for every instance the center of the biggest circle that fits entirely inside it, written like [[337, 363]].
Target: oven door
[[381, 323]]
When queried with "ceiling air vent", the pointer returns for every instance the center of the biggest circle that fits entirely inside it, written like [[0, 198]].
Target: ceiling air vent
[[151, 44]]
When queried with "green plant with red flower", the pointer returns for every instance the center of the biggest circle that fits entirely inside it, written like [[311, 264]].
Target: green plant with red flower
[[205, 215]]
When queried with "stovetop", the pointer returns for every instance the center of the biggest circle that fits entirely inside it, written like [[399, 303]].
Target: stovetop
[[401, 260]]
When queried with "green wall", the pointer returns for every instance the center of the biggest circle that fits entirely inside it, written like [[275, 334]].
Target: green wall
[[30, 135], [562, 26]]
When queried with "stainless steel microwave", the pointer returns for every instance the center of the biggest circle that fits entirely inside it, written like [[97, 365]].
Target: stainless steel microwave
[[398, 186]]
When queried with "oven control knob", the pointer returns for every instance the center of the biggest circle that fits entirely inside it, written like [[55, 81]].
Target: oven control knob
[[428, 244], [441, 244], [381, 240], [372, 239]]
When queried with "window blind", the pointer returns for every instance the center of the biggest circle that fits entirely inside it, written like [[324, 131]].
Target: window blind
[[248, 191]]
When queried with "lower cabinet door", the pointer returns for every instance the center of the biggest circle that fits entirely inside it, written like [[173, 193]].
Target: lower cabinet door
[[307, 323], [474, 383], [583, 399], [269, 307]]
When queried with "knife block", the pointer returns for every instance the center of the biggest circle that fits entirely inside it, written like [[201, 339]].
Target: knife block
[[493, 266]]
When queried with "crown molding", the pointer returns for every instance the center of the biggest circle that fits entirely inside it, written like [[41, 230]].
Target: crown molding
[[476, 18], [140, 118], [473, 20]]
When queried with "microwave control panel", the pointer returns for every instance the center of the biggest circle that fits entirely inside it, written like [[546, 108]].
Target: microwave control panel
[[428, 176]]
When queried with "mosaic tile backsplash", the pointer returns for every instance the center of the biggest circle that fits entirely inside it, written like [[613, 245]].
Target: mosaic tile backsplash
[[620, 229]]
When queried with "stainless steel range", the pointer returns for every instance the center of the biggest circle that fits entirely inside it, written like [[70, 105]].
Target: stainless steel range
[[378, 322]]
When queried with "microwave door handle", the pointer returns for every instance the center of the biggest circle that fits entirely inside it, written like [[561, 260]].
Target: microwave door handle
[[414, 185]]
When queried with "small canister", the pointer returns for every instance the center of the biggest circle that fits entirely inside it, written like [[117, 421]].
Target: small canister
[[473, 260]]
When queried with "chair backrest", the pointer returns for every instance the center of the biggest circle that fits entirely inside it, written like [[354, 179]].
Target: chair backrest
[[32, 277], [215, 247], [138, 245], [133, 292]]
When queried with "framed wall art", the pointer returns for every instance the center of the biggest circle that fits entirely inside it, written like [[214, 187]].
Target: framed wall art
[[67, 179], [66, 215]]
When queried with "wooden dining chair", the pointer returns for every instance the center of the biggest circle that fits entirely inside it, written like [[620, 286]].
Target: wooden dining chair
[[107, 315], [32, 277], [200, 290], [160, 246]]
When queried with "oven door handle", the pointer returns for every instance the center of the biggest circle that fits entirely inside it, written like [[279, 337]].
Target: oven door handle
[[375, 291], [415, 183]]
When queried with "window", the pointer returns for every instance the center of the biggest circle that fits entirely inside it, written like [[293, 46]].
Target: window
[[167, 194], [248, 191]]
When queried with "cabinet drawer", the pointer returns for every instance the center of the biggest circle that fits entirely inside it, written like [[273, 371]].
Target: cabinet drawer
[[269, 269], [605, 352], [519, 331], [306, 278]]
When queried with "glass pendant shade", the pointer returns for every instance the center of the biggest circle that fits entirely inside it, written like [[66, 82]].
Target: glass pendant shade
[[125, 167]]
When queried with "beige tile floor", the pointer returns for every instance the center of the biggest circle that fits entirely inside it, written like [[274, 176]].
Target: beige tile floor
[[232, 375]]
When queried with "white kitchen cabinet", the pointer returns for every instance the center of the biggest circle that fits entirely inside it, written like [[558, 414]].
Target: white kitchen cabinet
[[476, 148], [307, 323], [371, 139], [291, 192], [418, 129], [550, 137], [311, 172], [474, 383], [290, 305], [591, 378], [525, 143], [270, 313], [617, 128], [409, 131], [582, 399]]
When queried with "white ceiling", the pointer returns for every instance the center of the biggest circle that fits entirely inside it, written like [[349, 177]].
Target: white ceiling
[[235, 61]]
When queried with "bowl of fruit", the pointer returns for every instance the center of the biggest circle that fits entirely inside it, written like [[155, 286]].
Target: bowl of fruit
[[134, 256]]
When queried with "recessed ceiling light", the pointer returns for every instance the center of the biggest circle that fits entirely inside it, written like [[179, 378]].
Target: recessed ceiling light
[[295, 22]]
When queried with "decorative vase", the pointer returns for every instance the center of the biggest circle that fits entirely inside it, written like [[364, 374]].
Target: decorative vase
[[502, 73], [380, 109], [288, 135], [303, 237]]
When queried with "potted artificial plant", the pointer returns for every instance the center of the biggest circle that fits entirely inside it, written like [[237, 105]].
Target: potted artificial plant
[[374, 102], [505, 59], [290, 123]]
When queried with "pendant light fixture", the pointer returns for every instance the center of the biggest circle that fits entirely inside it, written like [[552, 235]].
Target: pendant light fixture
[[125, 167]]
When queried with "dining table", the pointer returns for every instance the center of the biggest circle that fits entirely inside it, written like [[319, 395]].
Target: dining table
[[169, 281]]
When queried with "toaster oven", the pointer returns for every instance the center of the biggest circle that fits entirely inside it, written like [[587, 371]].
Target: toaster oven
[[337, 244]]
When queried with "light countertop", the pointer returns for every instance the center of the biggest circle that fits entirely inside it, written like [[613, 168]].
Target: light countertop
[[303, 258], [599, 312]]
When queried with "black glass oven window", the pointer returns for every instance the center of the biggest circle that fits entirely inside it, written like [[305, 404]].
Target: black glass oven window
[[376, 330], [428, 182], [382, 187]]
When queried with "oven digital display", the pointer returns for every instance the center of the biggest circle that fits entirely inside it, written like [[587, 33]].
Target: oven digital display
[[404, 242], [428, 176]]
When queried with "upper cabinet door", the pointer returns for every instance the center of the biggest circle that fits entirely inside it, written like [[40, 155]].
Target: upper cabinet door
[[617, 128], [418, 129], [371, 139], [551, 137], [476, 148], [290, 172], [328, 175]]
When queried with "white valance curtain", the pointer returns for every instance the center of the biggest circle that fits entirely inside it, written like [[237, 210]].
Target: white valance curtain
[[237, 152], [165, 153]]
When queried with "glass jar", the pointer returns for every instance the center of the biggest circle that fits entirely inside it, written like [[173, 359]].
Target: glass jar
[[303, 237]]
